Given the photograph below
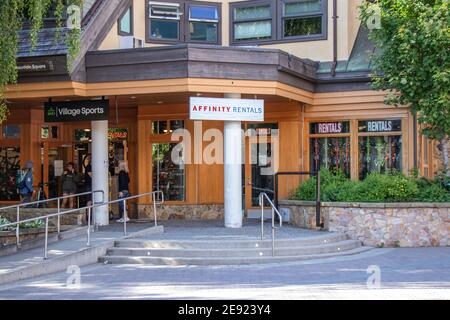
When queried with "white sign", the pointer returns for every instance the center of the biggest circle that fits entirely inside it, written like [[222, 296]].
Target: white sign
[[59, 168], [226, 109]]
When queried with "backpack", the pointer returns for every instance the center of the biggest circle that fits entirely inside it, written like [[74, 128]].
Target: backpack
[[20, 179]]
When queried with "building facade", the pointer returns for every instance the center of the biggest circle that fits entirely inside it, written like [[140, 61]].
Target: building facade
[[308, 60]]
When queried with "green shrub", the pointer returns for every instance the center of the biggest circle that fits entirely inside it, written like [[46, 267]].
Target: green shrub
[[387, 188], [376, 187]]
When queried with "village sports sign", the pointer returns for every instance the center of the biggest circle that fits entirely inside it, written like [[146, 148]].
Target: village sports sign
[[226, 109], [71, 111]]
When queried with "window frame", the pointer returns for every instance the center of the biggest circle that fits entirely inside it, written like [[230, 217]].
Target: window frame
[[119, 31], [277, 23], [181, 25], [253, 3], [323, 13], [183, 31], [187, 20]]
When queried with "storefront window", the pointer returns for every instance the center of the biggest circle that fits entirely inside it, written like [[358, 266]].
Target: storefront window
[[263, 129], [160, 127], [168, 173], [378, 152], [11, 132], [331, 153], [49, 132], [165, 127], [83, 135], [330, 146], [9, 164]]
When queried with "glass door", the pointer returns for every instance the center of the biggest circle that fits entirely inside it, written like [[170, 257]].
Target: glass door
[[259, 173]]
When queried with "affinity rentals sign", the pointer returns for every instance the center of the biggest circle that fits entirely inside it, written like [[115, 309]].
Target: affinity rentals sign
[[72, 111], [226, 109]]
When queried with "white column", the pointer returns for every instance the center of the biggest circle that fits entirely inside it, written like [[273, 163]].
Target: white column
[[100, 172], [233, 171]]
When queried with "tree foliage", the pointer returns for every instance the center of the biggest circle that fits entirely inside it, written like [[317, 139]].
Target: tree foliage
[[412, 63], [13, 16]]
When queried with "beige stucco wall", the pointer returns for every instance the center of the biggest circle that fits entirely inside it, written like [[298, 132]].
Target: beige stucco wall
[[321, 50]]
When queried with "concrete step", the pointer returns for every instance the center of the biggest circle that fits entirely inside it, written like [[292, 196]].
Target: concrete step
[[178, 261], [231, 244], [236, 252]]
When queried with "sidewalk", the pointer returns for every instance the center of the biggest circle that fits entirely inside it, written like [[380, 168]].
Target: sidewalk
[[68, 252]]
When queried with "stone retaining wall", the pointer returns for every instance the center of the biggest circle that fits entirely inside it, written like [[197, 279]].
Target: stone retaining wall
[[379, 224], [182, 212]]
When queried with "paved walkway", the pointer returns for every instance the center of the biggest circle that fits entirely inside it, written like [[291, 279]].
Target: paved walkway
[[405, 274], [214, 230], [65, 247]]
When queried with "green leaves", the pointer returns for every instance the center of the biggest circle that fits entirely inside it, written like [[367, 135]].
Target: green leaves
[[414, 61], [12, 15]]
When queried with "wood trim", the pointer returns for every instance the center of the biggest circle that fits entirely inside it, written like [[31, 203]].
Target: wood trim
[[69, 89]]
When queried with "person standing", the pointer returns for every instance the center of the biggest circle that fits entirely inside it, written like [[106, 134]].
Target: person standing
[[124, 187], [69, 185], [88, 178], [25, 185]]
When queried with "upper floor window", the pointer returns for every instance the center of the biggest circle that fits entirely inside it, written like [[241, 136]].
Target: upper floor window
[[252, 21], [125, 22], [263, 21], [302, 18], [164, 20], [203, 23], [179, 21]]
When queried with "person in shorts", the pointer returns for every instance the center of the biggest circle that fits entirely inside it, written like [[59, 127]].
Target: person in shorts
[[69, 185]]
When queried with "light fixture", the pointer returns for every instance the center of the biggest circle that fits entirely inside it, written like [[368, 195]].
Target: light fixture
[[87, 130], [133, 97], [160, 102], [199, 94]]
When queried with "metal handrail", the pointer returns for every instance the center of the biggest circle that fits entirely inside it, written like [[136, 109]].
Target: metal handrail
[[57, 200], [89, 208], [274, 210]]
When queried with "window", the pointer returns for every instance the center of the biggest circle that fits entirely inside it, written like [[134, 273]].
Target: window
[[166, 127], [183, 21], [380, 147], [11, 132], [164, 21], [278, 20], [330, 146], [168, 174], [9, 165], [83, 135], [252, 21], [302, 18], [49, 132], [203, 23], [125, 23]]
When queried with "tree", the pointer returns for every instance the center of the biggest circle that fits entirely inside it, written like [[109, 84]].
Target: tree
[[412, 63], [13, 15]]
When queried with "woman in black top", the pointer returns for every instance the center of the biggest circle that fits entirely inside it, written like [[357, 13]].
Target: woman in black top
[[124, 182]]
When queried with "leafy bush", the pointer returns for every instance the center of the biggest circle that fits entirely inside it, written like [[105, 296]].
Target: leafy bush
[[27, 225], [375, 188]]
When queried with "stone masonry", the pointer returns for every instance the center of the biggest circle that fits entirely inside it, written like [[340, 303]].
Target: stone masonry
[[379, 224]]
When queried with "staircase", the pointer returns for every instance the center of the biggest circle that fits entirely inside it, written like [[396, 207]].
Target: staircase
[[230, 251]]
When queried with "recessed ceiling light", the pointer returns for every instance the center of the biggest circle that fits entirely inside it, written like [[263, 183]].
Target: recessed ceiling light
[[159, 102]]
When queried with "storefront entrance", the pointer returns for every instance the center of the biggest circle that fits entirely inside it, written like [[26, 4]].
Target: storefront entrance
[[259, 167]]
